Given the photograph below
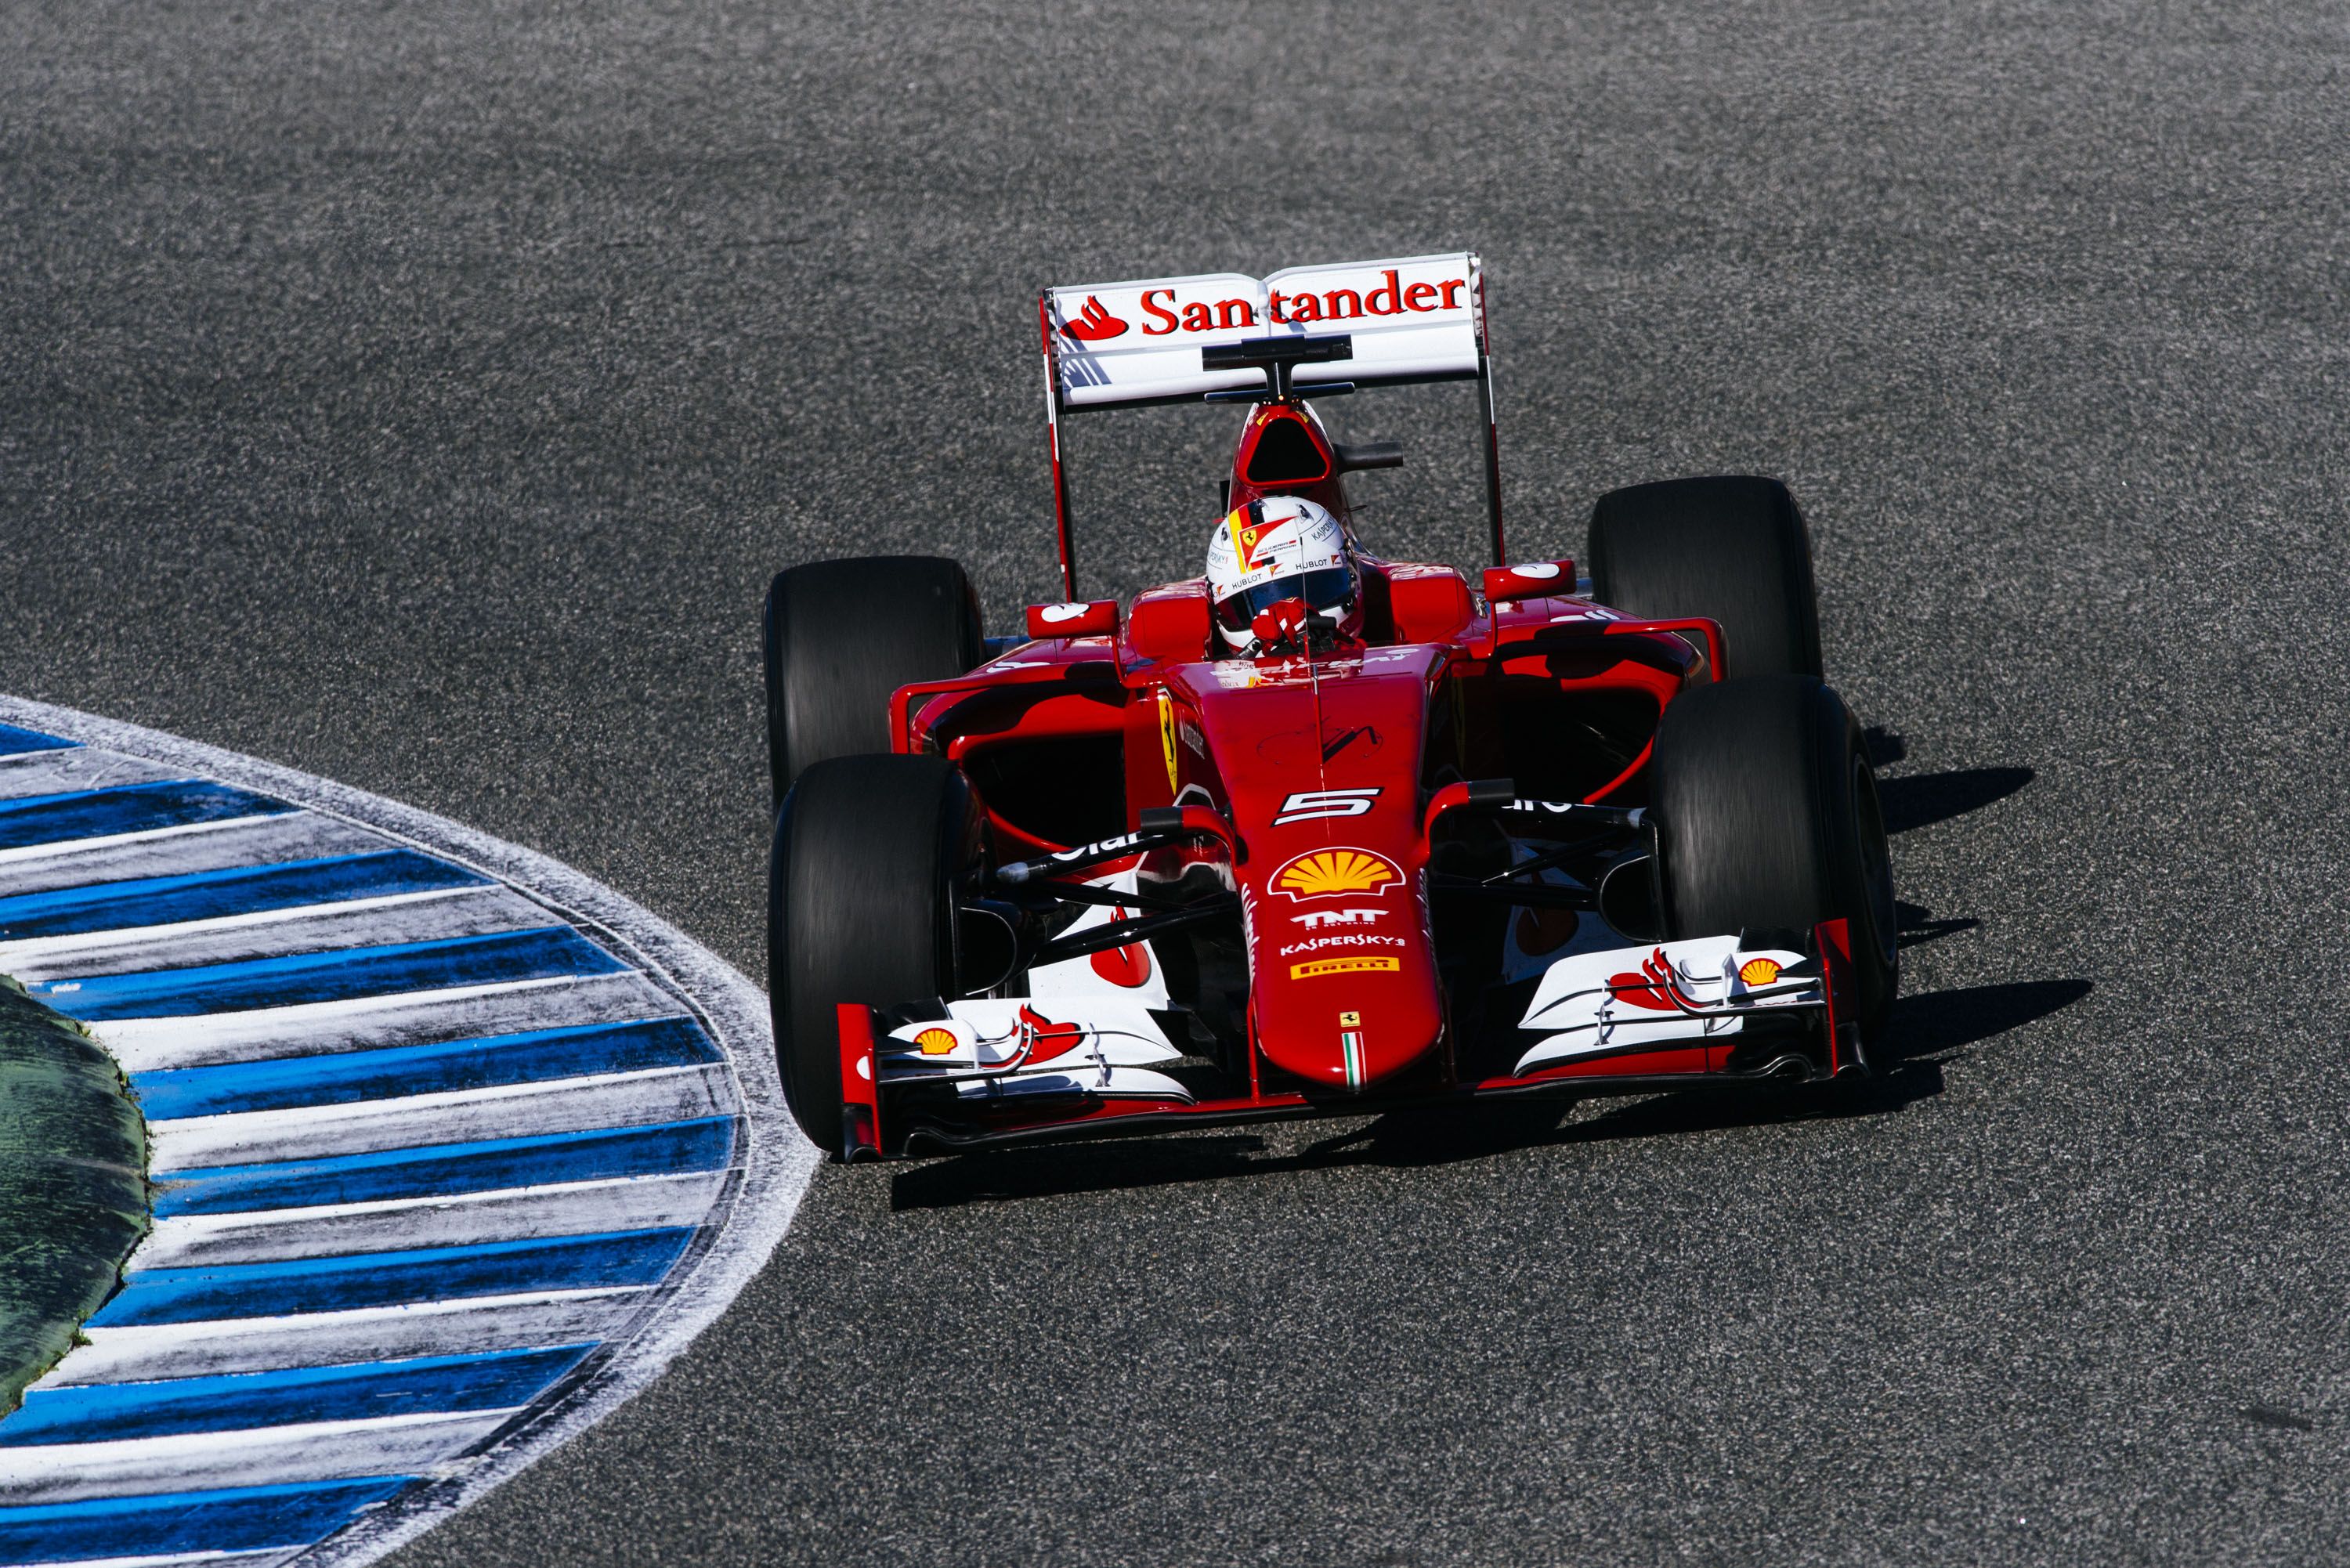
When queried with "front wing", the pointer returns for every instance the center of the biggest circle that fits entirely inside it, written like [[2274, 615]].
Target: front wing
[[1661, 1015]]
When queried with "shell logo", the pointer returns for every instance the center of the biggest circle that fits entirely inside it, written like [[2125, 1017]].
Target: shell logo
[[1330, 873], [1759, 970], [936, 1041]]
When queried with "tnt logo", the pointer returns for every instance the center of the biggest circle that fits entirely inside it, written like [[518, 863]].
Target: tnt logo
[[1321, 918]]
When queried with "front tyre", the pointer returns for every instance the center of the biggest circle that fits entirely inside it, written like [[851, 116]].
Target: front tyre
[[1768, 819], [841, 636], [869, 853], [1733, 549]]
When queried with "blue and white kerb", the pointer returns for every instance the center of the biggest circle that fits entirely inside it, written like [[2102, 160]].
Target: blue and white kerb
[[453, 1149]]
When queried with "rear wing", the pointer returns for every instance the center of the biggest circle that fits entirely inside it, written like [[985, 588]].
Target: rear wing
[[1378, 324]]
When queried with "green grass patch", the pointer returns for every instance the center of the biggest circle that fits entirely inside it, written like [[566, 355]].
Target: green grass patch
[[73, 1185]]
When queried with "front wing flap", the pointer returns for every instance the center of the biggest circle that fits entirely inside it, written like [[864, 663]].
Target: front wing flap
[[992, 1048], [1624, 1001]]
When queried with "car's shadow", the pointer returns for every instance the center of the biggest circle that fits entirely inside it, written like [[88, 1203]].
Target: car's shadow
[[1918, 800], [1918, 925], [1911, 801], [1926, 1031]]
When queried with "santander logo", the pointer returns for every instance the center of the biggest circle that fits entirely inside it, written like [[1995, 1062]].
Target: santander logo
[[1094, 324], [1654, 988], [1048, 1040], [1388, 298], [1129, 966], [1165, 314]]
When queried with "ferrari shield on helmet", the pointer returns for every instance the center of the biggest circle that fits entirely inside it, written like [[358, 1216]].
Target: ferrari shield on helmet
[[1282, 547]]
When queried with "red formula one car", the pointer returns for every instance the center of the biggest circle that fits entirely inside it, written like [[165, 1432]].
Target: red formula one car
[[1320, 833]]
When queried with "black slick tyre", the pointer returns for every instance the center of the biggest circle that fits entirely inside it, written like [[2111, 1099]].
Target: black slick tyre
[[861, 898], [841, 636], [1768, 820], [1733, 549]]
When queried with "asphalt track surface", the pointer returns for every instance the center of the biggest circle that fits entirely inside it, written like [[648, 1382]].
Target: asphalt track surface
[[420, 396]]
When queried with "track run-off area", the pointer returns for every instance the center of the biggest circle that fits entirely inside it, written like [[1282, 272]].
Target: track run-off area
[[420, 395]]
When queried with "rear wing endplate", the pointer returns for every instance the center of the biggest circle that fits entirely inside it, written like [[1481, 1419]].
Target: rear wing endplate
[[1135, 345]]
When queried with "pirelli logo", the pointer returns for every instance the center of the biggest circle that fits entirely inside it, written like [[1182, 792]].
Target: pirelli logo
[[1345, 966]]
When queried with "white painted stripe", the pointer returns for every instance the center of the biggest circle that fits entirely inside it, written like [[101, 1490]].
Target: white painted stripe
[[38, 852], [457, 1116], [75, 768], [266, 1456], [179, 851], [369, 1022], [268, 1557], [148, 1352], [429, 916], [507, 1214]]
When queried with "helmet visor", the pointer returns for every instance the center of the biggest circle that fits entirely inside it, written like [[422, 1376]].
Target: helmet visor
[[1332, 589]]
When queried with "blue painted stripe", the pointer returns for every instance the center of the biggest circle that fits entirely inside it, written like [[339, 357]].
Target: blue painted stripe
[[341, 1077], [126, 808], [665, 1148], [105, 1412], [231, 890], [238, 1519], [542, 953], [385, 1278], [13, 740]]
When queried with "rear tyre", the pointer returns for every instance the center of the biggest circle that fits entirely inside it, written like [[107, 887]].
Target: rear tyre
[[841, 636], [1768, 819], [1733, 549], [869, 852]]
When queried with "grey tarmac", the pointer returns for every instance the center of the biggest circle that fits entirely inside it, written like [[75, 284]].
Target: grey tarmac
[[420, 394]]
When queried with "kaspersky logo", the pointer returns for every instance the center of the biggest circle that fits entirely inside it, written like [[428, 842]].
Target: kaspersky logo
[[1094, 324]]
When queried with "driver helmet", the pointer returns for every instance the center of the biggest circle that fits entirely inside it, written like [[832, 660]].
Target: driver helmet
[[1283, 547]]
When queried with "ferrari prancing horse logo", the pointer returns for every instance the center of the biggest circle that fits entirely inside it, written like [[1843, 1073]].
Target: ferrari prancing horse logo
[[1167, 737]]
